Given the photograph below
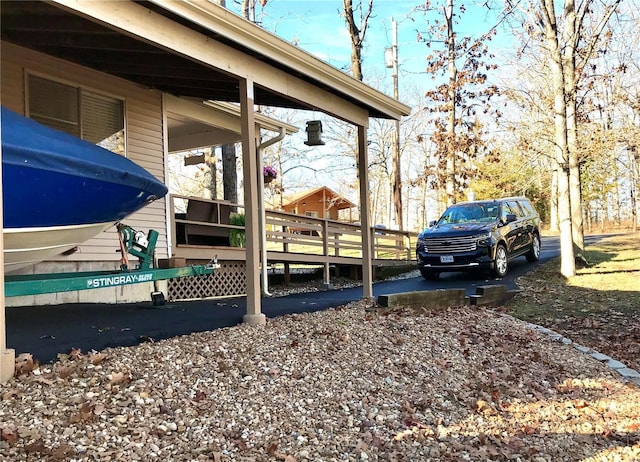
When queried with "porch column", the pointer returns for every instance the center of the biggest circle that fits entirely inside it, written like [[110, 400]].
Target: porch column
[[7, 356], [252, 218], [365, 216]]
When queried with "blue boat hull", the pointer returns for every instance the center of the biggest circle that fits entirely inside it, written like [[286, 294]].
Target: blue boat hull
[[35, 198], [54, 181]]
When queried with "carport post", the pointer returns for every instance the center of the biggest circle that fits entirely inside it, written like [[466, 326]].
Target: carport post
[[365, 215], [7, 357], [250, 173]]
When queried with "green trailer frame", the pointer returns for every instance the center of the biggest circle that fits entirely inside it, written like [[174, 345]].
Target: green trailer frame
[[131, 242]]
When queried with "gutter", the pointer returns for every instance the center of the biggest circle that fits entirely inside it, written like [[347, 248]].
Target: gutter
[[261, 209]]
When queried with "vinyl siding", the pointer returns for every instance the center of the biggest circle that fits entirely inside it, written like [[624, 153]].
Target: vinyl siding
[[144, 141]]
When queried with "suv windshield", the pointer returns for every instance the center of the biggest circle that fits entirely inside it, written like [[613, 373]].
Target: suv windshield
[[470, 213]]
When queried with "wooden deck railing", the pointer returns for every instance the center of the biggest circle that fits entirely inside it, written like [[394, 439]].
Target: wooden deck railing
[[207, 223]]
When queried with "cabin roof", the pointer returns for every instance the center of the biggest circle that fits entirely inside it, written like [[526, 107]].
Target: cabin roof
[[341, 203]]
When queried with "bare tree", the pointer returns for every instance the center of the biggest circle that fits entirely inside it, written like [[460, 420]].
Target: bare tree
[[460, 102], [357, 20], [568, 47]]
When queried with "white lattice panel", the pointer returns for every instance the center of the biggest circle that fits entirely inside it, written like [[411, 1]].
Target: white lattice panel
[[227, 281]]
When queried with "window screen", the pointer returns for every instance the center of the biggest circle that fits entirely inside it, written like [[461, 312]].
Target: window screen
[[54, 105], [103, 121], [93, 117]]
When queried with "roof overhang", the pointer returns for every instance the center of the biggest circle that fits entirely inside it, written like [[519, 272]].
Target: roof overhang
[[191, 48], [194, 124]]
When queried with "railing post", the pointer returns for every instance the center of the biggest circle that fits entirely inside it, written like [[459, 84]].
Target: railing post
[[325, 252], [173, 231]]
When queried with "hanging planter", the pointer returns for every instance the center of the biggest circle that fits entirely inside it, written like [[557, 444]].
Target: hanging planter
[[269, 173]]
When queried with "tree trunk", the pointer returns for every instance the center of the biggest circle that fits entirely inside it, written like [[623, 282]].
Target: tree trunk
[[570, 90], [356, 41], [230, 173], [210, 174], [634, 189], [567, 255], [617, 199], [450, 184], [396, 162], [553, 203]]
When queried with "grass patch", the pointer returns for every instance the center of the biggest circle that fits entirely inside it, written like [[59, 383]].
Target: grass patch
[[599, 307]]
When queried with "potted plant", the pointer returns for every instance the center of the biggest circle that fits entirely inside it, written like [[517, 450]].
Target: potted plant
[[237, 237], [269, 173]]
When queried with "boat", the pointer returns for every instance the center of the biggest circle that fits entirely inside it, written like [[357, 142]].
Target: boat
[[59, 191]]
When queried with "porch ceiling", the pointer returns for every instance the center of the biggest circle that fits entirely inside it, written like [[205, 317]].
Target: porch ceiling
[[55, 31]]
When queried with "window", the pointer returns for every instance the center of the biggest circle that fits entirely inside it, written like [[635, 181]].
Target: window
[[504, 211], [311, 214], [527, 207], [93, 117], [516, 210]]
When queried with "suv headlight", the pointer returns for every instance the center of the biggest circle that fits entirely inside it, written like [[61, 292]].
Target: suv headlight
[[483, 239]]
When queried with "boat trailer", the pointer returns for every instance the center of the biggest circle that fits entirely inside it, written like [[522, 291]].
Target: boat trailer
[[132, 242]]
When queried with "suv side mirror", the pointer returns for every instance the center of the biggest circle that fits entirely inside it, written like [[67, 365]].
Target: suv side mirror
[[432, 223], [511, 218]]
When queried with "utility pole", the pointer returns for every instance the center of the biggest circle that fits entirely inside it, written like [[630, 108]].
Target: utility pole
[[391, 58]]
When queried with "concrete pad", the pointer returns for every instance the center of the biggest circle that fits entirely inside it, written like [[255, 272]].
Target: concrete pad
[[255, 319]]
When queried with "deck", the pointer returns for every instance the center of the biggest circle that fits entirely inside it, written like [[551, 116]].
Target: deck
[[203, 229]]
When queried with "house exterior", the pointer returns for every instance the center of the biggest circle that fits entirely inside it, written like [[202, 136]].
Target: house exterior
[[149, 66], [320, 202]]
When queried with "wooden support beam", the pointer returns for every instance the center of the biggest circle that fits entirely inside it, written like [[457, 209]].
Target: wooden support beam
[[252, 218]]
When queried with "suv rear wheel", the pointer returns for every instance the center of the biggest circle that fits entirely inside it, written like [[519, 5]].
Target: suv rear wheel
[[534, 253], [501, 262]]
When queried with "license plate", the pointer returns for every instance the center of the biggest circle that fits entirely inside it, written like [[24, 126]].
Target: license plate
[[446, 259]]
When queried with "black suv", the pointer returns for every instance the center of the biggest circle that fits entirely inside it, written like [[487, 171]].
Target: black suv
[[480, 234]]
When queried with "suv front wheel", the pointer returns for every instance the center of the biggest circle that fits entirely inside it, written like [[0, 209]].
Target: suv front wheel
[[429, 275], [501, 262]]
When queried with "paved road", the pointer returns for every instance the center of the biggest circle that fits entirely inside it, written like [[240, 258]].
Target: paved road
[[45, 331]]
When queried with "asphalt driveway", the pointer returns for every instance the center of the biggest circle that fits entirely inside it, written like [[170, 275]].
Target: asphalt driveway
[[46, 331]]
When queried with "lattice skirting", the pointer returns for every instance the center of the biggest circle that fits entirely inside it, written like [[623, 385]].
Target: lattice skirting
[[228, 281]]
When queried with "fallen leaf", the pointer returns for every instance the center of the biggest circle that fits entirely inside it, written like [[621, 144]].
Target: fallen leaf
[[119, 377], [96, 358], [63, 452], [44, 380], [66, 371], [9, 435], [272, 448], [36, 446], [24, 364], [12, 393]]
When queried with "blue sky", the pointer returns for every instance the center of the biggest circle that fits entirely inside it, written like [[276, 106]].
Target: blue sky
[[320, 30], [317, 27]]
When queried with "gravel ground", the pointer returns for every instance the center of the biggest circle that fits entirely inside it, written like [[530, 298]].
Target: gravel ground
[[349, 383]]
